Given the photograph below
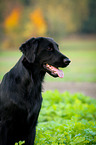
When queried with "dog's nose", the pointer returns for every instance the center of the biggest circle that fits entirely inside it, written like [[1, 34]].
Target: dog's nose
[[67, 61]]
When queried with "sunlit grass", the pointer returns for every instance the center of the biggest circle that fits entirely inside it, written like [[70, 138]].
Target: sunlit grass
[[66, 119], [7, 60]]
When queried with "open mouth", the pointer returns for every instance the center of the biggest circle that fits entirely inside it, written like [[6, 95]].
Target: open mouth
[[53, 70]]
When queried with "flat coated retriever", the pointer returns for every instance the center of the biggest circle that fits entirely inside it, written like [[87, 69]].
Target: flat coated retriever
[[20, 89]]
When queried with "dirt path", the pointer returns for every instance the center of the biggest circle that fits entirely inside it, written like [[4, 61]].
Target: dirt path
[[88, 89]]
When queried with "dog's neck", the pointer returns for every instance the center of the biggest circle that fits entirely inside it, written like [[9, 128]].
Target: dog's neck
[[34, 70]]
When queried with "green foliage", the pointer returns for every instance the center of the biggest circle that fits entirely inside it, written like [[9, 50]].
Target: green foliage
[[20, 143], [66, 119]]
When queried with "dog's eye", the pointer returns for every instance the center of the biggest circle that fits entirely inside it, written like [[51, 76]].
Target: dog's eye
[[49, 48]]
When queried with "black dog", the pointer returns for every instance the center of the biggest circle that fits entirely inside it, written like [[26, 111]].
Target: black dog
[[20, 89]]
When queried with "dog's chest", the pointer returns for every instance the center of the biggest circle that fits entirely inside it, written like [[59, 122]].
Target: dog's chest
[[34, 98]]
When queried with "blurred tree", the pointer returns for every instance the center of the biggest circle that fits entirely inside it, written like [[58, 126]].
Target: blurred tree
[[52, 18], [79, 13], [26, 2], [6, 8], [64, 17], [36, 25], [89, 24], [11, 28], [38, 21], [12, 21]]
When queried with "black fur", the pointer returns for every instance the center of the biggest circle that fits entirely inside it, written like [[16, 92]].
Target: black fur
[[20, 90]]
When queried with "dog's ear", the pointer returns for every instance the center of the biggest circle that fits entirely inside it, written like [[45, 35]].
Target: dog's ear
[[28, 49]]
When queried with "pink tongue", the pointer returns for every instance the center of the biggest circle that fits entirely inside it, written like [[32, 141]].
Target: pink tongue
[[59, 72]]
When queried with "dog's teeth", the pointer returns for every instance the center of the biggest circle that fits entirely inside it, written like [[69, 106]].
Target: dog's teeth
[[47, 65], [55, 72]]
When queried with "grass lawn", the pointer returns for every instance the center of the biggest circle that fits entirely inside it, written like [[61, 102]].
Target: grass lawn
[[81, 52]]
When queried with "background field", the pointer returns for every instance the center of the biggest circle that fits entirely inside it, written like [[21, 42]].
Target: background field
[[81, 52]]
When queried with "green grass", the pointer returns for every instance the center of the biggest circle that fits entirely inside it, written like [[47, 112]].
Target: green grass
[[20, 143], [7, 60], [66, 119], [82, 54]]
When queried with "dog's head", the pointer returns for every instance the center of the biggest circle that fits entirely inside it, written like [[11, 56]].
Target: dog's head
[[45, 52]]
